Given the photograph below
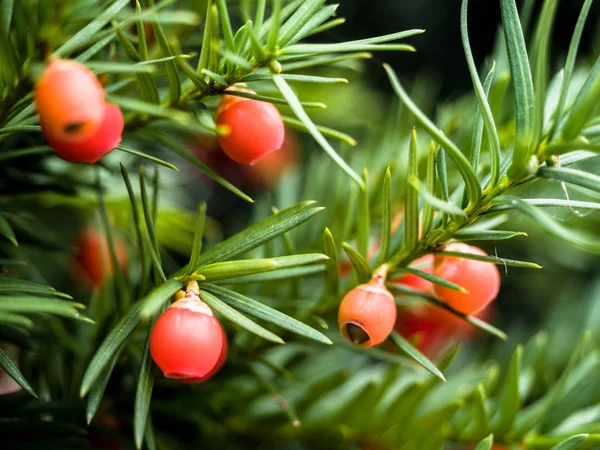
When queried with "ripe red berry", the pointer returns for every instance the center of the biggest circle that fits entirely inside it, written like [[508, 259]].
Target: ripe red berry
[[367, 314], [253, 128], [75, 118], [187, 341], [480, 279], [92, 257], [425, 264]]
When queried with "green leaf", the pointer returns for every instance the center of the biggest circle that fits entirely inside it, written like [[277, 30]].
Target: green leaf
[[226, 26], [88, 32], [486, 444], [583, 106], [571, 443], [569, 66], [17, 320], [481, 415], [11, 369], [258, 51], [267, 229], [6, 230], [576, 237], [284, 274], [8, 285], [486, 235], [265, 313], [509, 401], [147, 157], [294, 77], [274, 100], [232, 269], [411, 219], [572, 176], [184, 153], [99, 387], [522, 83], [239, 319], [541, 66], [274, 22], [432, 278], [325, 131], [298, 20], [109, 347], [483, 105], [363, 219], [152, 303], [30, 151], [360, 264], [437, 203], [492, 259], [546, 203], [170, 66], [386, 220], [332, 280], [479, 124], [313, 26], [416, 355], [324, 60], [119, 276], [209, 26], [143, 393], [431, 189], [197, 246], [294, 103], [42, 305], [465, 169]]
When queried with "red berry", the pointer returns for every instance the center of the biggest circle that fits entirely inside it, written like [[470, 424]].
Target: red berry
[[187, 341], [254, 129], [98, 144], [425, 264], [367, 314], [480, 279], [92, 257], [77, 122]]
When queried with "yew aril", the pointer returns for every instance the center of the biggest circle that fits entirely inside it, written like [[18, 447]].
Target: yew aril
[[253, 129], [480, 279], [425, 264], [89, 150], [75, 118], [367, 314], [187, 341], [92, 257]]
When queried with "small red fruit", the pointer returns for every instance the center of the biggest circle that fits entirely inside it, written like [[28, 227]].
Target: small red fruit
[[187, 341], [92, 257], [75, 118], [367, 314], [254, 128], [89, 150], [425, 264], [480, 279]]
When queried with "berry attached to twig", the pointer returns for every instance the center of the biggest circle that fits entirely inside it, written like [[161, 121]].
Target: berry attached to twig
[[480, 279], [253, 128], [187, 341], [77, 122], [367, 313]]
